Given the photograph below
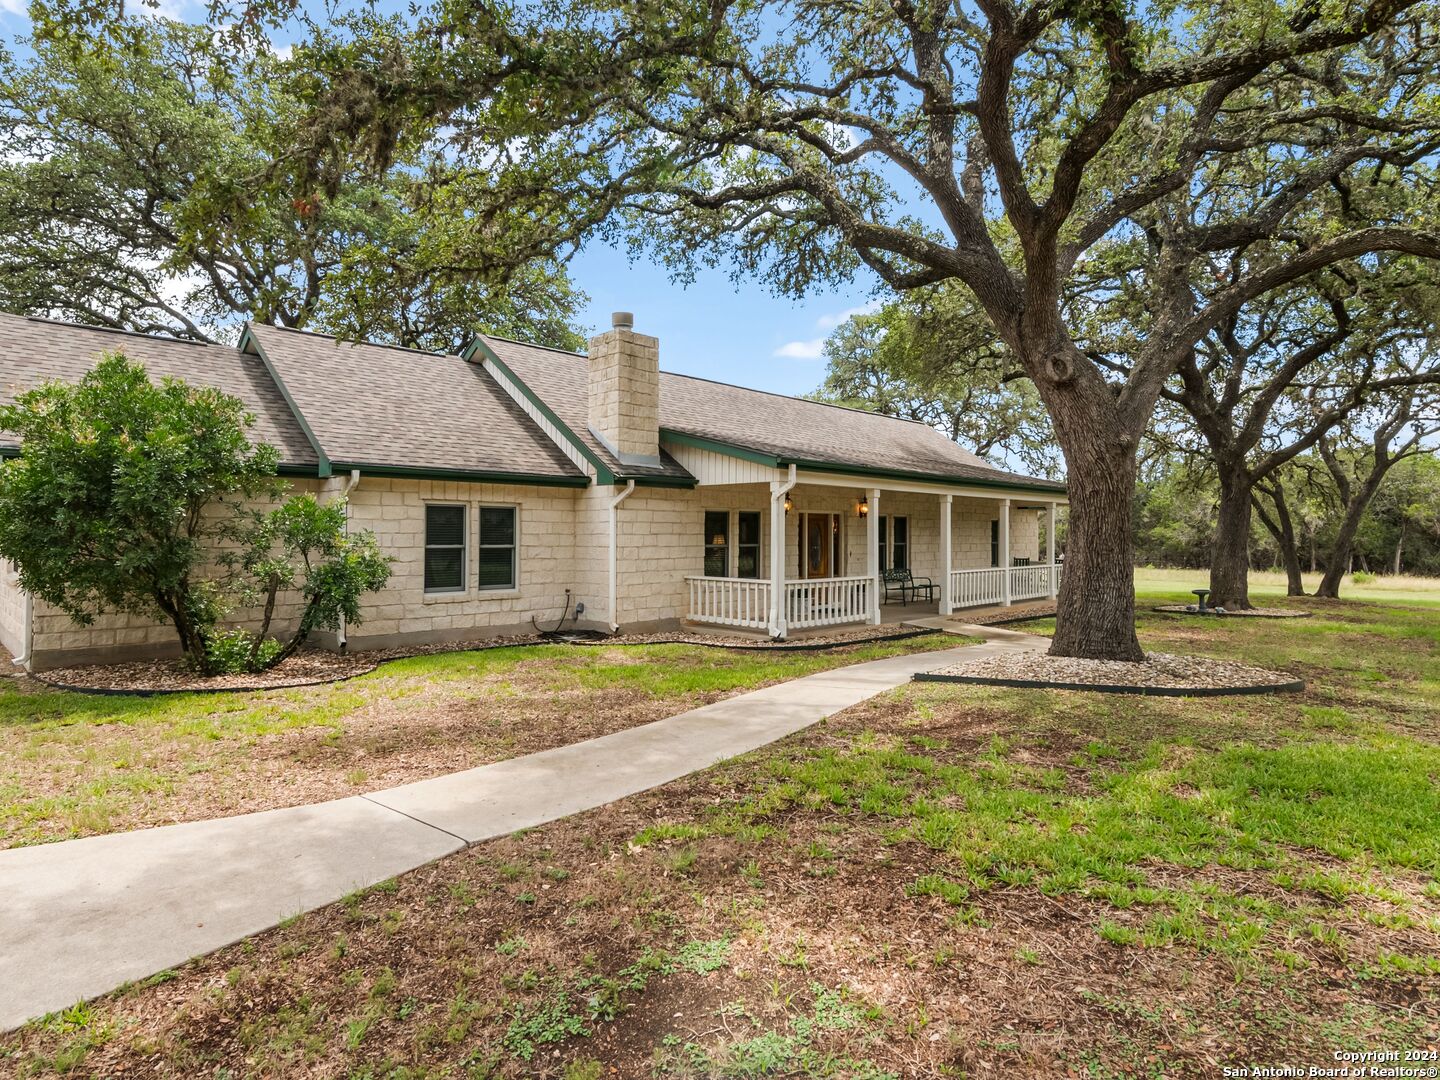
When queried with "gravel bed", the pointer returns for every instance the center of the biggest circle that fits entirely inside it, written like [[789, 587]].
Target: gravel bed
[[1245, 613], [1158, 673], [307, 668], [315, 666], [999, 618]]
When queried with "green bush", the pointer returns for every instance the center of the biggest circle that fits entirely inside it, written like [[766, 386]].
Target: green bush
[[236, 650], [1360, 577]]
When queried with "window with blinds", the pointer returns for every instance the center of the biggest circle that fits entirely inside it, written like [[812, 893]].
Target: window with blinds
[[498, 548], [444, 548]]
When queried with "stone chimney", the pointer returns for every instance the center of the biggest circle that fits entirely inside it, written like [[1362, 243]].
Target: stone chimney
[[625, 391]]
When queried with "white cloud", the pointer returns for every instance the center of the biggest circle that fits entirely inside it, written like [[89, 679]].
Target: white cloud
[[802, 350], [814, 348], [18, 8], [830, 322]]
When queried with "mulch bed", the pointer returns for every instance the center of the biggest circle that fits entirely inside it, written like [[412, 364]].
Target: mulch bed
[[1164, 674], [314, 667], [1244, 613]]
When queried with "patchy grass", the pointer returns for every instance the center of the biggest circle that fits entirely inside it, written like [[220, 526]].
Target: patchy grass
[[942, 881], [78, 764], [1388, 588]]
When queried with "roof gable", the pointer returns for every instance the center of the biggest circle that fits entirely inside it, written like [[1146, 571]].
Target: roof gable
[[34, 351]]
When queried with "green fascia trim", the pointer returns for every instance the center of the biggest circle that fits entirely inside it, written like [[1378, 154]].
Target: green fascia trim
[[660, 481], [247, 338], [9, 451], [929, 478], [603, 473], [714, 445], [463, 476]]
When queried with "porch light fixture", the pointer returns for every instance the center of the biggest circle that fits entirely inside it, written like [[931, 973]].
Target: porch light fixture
[[788, 503], [862, 508]]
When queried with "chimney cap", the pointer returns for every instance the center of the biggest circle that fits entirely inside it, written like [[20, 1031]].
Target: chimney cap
[[622, 320]]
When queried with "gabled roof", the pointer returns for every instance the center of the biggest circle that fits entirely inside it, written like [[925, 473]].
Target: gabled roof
[[401, 411], [561, 380], [778, 429], [34, 351]]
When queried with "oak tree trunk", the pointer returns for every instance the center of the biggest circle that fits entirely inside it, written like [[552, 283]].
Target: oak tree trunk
[[1096, 614], [1343, 549], [1282, 528], [1230, 559]]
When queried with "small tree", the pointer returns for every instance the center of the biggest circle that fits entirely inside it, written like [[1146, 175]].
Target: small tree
[[122, 486], [303, 544]]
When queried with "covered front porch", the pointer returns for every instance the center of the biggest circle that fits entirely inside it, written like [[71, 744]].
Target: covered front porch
[[818, 552]]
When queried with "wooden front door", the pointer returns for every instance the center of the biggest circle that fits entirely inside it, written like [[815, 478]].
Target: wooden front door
[[821, 546]]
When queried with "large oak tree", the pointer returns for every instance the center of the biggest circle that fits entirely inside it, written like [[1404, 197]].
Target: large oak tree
[[996, 144]]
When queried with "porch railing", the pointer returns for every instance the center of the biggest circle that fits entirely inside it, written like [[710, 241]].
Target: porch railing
[[827, 601], [978, 588], [730, 601], [811, 602]]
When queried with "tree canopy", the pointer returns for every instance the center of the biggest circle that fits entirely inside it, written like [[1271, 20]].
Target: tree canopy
[[162, 187]]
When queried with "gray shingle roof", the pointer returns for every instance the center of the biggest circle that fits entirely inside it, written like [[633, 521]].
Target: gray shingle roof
[[787, 428], [562, 381], [381, 405], [35, 351]]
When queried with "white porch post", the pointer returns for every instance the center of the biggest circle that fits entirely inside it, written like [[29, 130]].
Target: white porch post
[[872, 554], [946, 601], [1050, 547], [1005, 547], [778, 490]]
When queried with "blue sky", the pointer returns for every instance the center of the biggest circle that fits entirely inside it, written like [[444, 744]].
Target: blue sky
[[715, 328]]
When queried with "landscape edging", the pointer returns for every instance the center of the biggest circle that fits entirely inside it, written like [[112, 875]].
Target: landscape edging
[[1114, 688]]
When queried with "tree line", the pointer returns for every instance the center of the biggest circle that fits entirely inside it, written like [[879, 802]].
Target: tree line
[[1220, 211]]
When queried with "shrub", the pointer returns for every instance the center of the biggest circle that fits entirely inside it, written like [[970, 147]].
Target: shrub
[[122, 486]]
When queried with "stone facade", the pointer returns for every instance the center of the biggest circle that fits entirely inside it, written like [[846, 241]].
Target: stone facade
[[545, 559], [12, 611], [625, 393], [562, 544]]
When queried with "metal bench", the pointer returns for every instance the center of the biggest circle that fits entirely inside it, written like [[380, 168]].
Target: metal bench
[[907, 585]]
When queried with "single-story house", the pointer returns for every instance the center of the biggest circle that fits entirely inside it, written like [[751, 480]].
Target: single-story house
[[517, 485]]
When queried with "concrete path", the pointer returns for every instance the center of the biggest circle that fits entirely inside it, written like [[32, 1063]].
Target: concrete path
[[79, 918]]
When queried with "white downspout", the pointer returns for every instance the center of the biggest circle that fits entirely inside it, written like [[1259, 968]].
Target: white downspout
[[778, 490], [350, 485], [27, 631], [614, 551]]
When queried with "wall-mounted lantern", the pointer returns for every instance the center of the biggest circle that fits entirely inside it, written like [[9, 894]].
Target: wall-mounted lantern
[[862, 508]]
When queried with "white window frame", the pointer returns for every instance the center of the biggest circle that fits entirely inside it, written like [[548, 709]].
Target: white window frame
[[514, 547], [759, 545], [464, 545]]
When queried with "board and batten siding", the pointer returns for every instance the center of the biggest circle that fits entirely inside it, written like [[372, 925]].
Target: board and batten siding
[[708, 467]]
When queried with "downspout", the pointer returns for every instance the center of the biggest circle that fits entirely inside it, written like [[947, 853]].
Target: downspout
[[778, 490], [350, 485], [614, 552], [27, 622]]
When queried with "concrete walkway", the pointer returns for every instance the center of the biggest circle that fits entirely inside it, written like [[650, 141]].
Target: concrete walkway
[[79, 918]]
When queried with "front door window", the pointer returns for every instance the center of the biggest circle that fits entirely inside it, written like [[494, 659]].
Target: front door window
[[821, 545]]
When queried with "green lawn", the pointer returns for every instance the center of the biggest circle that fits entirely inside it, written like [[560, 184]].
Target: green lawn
[[1401, 589], [78, 764], [943, 881]]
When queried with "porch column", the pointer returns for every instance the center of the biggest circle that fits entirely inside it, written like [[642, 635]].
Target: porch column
[[1050, 547], [778, 490], [946, 605], [872, 554], [1005, 547]]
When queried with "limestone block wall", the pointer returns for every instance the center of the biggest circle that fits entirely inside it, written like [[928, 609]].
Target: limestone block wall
[[394, 510], [12, 610], [58, 641], [661, 542]]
